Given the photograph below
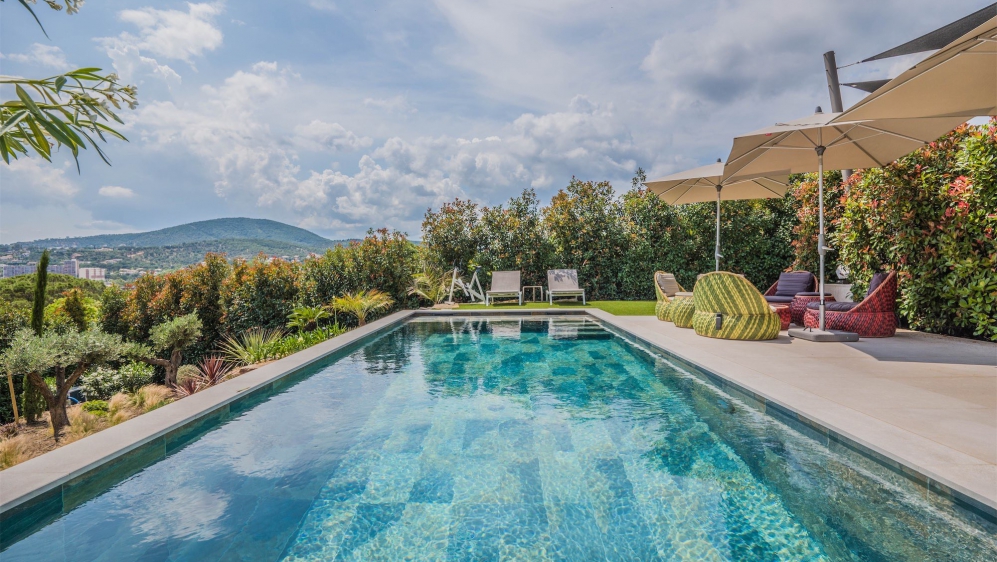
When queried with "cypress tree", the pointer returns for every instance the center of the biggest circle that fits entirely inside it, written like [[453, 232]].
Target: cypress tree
[[32, 401]]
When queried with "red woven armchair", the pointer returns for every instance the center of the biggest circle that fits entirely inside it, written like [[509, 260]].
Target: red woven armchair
[[874, 317]]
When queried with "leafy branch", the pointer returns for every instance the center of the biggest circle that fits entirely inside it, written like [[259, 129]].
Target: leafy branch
[[66, 110]]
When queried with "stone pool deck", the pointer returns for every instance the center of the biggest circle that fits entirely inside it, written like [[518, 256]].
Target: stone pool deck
[[929, 402]]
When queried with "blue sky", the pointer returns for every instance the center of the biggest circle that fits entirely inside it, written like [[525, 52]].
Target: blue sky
[[340, 116]]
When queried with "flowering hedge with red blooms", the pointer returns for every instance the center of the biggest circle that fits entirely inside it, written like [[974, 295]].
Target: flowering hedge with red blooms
[[932, 216]]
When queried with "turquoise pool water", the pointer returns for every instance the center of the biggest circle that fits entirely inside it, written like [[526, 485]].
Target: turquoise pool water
[[522, 439]]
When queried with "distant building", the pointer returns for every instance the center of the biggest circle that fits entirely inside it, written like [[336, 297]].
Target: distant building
[[93, 273], [68, 267]]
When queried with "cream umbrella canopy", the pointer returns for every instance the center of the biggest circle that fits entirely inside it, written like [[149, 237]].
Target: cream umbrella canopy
[[706, 183], [959, 79], [807, 144]]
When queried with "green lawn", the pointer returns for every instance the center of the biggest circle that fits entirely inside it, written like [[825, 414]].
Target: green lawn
[[619, 308]]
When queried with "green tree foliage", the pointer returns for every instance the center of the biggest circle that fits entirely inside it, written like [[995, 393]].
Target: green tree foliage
[[66, 356], [656, 239], [584, 226], [453, 234], [384, 260], [32, 400], [20, 290], [38, 301], [806, 229], [171, 337], [932, 217], [755, 238], [113, 303], [260, 293], [514, 238], [13, 318]]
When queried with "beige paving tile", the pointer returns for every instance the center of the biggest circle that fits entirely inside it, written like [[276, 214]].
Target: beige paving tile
[[970, 431]]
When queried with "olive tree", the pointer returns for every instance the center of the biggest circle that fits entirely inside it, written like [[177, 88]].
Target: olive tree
[[64, 356], [173, 336]]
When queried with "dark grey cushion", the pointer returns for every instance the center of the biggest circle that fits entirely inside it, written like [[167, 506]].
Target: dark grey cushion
[[793, 282], [877, 280], [776, 299], [833, 306], [812, 294]]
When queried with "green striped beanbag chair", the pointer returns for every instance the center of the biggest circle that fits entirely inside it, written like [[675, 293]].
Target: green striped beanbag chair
[[745, 315]]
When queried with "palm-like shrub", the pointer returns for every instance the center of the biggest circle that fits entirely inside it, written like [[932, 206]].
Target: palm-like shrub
[[362, 303], [253, 346], [306, 318], [430, 285]]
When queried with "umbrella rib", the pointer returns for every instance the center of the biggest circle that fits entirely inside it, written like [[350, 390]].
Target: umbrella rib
[[776, 139], [767, 188], [885, 132], [683, 194]]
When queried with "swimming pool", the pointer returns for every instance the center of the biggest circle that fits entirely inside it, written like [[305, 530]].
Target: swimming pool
[[507, 439]]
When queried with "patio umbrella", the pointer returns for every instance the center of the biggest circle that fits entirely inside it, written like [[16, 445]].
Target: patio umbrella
[[706, 183], [960, 79], [792, 147]]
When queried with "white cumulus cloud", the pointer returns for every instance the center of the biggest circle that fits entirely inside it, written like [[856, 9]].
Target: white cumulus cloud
[[43, 55], [319, 135], [32, 182], [116, 192], [163, 34], [174, 34]]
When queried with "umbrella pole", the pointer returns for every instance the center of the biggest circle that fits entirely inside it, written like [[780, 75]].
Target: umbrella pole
[[820, 237], [716, 249]]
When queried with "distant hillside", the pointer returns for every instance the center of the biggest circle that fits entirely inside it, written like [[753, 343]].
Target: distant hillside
[[203, 231]]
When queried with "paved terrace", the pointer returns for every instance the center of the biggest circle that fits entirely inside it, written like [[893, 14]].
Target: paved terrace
[[927, 401]]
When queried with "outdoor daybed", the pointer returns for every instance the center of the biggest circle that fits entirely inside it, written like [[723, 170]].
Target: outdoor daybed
[[729, 307], [665, 287], [874, 317], [563, 283], [504, 284]]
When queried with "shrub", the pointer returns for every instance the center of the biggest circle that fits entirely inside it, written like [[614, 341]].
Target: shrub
[[95, 407], [306, 318], [186, 372], [214, 369], [104, 382], [260, 293], [431, 285], [932, 217], [252, 346], [13, 451], [362, 303], [150, 397], [82, 424], [135, 375]]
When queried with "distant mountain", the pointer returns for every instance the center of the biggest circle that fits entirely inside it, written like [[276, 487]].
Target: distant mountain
[[202, 231]]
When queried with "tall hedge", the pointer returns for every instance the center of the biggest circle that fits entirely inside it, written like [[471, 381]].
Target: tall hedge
[[932, 217]]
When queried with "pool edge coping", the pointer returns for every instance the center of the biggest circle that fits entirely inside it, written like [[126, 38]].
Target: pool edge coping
[[53, 470], [926, 478]]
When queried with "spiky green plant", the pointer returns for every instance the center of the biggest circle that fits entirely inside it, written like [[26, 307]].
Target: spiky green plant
[[430, 285], [362, 303], [253, 346], [306, 318]]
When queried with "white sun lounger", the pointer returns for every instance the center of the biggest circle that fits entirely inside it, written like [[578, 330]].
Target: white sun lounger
[[504, 284], [563, 283]]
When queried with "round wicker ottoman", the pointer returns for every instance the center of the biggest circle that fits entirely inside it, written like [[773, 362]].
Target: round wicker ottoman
[[798, 308], [682, 310], [785, 315]]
